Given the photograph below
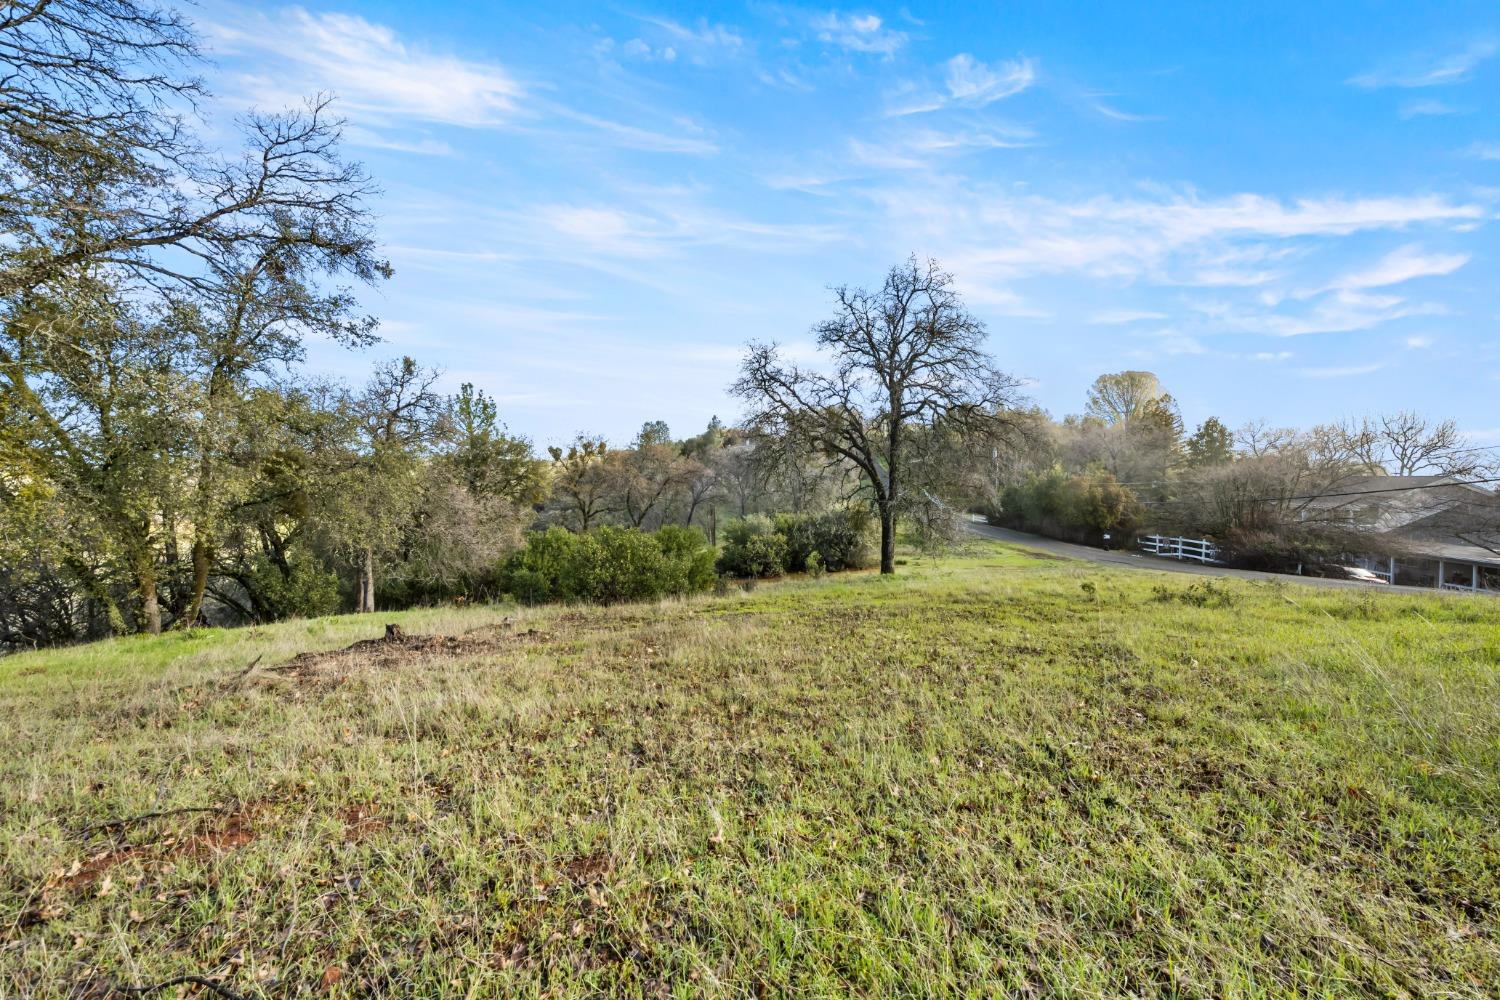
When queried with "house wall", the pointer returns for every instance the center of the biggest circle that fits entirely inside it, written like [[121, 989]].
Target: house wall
[[1424, 573], [1416, 572]]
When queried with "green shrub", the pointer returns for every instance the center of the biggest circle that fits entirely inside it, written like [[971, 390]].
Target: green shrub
[[547, 568], [622, 564], [1082, 508], [841, 538], [609, 565], [797, 534], [1205, 594], [306, 590], [753, 547], [689, 557]]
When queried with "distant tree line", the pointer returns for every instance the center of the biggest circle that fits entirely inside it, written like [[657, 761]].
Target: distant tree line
[[166, 461], [1127, 464]]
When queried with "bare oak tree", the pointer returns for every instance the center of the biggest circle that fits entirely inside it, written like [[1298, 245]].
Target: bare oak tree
[[100, 164], [1409, 444], [908, 353]]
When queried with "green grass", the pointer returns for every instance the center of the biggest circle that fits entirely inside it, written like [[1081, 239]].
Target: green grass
[[994, 774]]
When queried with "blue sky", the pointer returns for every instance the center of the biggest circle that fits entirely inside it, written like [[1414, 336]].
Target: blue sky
[[1286, 211]]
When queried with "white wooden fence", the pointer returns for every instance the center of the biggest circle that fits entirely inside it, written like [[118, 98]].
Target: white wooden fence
[[1200, 549]]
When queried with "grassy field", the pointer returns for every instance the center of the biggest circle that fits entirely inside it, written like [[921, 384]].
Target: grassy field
[[996, 774]]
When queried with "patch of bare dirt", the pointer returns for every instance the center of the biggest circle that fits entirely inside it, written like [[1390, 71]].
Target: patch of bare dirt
[[588, 869], [360, 821], [233, 830], [95, 872], [1044, 556], [398, 648]]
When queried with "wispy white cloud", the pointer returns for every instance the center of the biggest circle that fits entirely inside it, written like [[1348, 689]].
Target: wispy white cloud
[[1169, 238], [1110, 111], [1425, 107], [883, 156], [917, 149], [967, 82], [634, 137], [1000, 301], [957, 140], [973, 82], [369, 66], [1342, 312], [1225, 277], [703, 35], [1401, 265], [858, 33], [1485, 150], [1187, 217], [1172, 342], [445, 259], [1113, 317], [701, 43], [1429, 71], [385, 83], [1418, 342], [1243, 245], [636, 48], [358, 136], [658, 227]]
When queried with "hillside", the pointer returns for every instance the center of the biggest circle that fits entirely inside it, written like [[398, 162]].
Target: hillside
[[992, 772]]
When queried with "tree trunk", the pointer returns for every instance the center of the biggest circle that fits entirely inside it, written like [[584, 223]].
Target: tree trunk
[[367, 582], [150, 608], [888, 505], [201, 563], [275, 547], [890, 495], [887, 538]]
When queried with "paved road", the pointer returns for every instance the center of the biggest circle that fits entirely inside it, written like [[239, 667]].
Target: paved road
[[1137, 560]]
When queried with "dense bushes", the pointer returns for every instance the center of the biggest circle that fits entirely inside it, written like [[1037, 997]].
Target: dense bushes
[[794, 543], [612, 564], [840, 539], [1081, 508], [609, 565], [753, 547], [298, 589]]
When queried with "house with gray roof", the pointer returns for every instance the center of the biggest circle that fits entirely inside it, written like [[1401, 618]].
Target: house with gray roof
[[1434, 531]]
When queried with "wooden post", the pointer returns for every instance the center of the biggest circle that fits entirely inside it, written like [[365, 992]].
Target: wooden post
[[1473, 576]]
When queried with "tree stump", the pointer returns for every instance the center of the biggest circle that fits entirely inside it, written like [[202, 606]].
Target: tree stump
[[393, 633]]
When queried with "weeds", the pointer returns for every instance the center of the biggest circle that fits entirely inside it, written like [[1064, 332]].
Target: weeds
[[962, 780], [1204, 594]]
